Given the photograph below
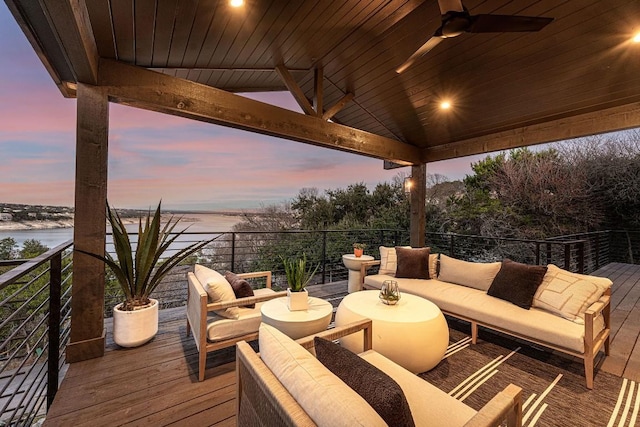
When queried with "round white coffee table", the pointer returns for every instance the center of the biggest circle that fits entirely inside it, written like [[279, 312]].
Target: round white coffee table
[[353, 263], [413, 333], [297, 324]]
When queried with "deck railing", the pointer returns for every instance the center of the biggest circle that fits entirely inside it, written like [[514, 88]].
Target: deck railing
[[35, 295], [35, 313]]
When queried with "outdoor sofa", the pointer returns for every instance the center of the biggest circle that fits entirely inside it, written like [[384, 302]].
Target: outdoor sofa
[[570, 312], [286, 385]]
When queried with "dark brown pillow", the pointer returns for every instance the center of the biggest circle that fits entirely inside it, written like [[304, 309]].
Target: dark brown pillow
[[380, 391], [241, 287], [517, 283], [413, 263]]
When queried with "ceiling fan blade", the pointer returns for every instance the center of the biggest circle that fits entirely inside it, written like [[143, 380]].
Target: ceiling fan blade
[[450, 6], [430, 44], [506, 23]]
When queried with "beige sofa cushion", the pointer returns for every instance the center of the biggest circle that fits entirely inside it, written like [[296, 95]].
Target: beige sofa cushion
[[569, 294], [217, 288], [476, 275], [323, 396], [389, 262], [429, 405], [220, 328]]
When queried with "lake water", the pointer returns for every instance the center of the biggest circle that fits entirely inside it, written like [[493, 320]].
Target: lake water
[[210, 223]]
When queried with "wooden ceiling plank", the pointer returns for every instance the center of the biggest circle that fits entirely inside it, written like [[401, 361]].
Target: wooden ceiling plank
[[102, 26], [165, 22], [335, 108], [145, 24], [318, 92], [607, 120], [295, 90], [122, 14], [158, 92], [201, 26], [185, 14]]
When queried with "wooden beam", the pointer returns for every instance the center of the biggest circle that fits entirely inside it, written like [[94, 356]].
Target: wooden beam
[[335, 108], [295, 90], [580, 125], [89, 231], [418, 223], [318, 89], [171, 95]]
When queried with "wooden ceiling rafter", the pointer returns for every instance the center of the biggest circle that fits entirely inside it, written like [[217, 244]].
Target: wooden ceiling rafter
[[138, 87]]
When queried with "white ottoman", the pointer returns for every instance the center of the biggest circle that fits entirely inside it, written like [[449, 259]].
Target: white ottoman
[[412, 333]]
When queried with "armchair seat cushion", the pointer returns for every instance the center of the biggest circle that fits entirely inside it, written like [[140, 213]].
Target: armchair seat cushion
[[221, 328]]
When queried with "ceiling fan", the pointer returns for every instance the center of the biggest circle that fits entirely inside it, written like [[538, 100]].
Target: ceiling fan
[[457, 20]]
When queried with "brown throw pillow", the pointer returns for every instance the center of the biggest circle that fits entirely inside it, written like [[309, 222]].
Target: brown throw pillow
[[413, 263], [380, 391], [240, 287], [517, 283]]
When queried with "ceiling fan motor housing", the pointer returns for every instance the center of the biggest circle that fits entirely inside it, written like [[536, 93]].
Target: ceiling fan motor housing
[[454, 24]]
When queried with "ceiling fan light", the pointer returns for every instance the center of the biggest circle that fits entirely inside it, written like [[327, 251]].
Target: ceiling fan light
[[236, 3], [636, 38]]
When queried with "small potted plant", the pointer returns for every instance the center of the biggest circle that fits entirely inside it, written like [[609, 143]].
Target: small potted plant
[[298, 276], [358, 249]]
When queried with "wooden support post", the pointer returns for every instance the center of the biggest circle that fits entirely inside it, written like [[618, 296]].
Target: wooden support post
[[87, 304], [418, 197]]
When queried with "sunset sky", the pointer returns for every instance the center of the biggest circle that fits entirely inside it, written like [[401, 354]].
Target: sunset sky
[[187, 164]]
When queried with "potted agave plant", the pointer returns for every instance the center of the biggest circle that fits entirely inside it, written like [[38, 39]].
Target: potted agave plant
[[298, 276], [139, 271]]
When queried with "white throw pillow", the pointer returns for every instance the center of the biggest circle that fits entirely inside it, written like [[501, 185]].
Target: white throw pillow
[[218, 289], [569, 294], [324, 397], [476, 275]]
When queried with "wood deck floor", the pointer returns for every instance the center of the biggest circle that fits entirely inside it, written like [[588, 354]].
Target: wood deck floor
[[156, 384]]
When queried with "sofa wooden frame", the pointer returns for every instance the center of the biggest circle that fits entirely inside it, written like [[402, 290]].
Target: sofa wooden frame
[[592, 343], [198, 309], [262, 400]]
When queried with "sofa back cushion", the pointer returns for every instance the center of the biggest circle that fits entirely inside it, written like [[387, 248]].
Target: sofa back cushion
[[517, 282], [476, 275], [376, 387], [569, 294], [389, 262], [413, 263], [217, 288], [324, 397]]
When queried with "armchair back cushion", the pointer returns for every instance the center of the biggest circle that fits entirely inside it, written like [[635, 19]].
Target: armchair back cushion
[[217, 288], [323, 396]]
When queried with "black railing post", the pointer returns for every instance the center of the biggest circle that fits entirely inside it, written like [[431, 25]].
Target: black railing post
[[55, 285], [233, 251], [324, 256], [537, 253], [597, 250], [395, 238], [451, 245], [549, 253], [567, 256], [580, 255]]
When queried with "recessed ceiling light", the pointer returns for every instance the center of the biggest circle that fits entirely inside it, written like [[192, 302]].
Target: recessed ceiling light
[[636, 38], [445, 105], [236, 3]]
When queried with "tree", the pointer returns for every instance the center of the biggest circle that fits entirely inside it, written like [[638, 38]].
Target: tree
[[32, 248], [8, 247]]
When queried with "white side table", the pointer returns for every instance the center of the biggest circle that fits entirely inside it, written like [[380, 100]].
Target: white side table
[[353, 265], [297, 324], [413, 333]]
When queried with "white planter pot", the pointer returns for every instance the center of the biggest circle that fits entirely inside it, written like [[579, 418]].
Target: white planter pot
[[134, 328], [297, 300]]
